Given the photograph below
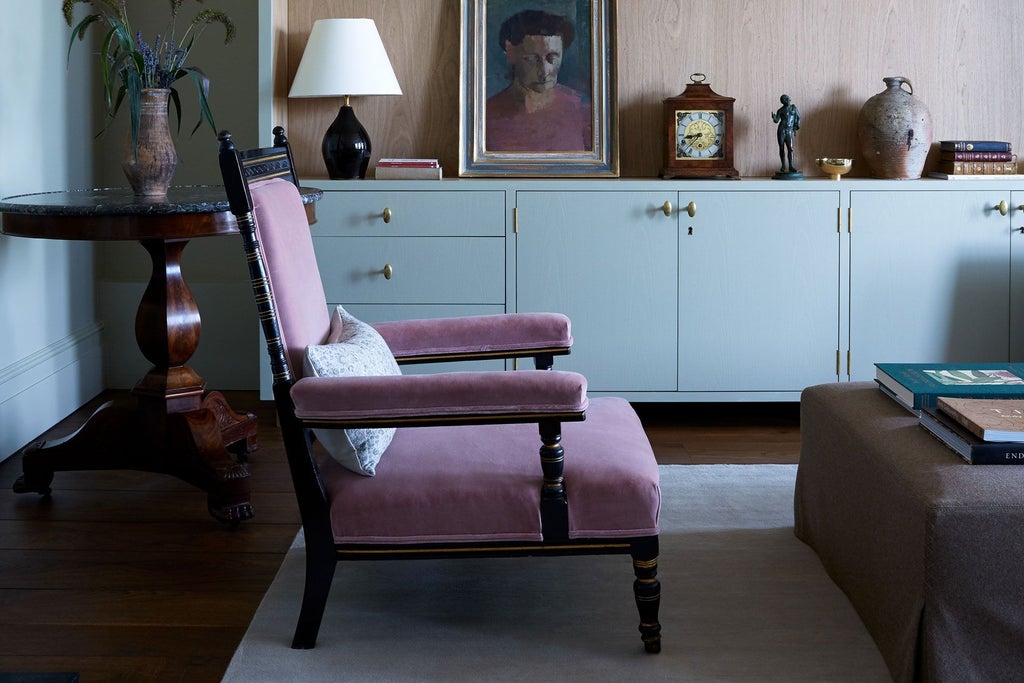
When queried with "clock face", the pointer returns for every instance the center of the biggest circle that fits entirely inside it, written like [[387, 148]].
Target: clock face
[[699, 134]]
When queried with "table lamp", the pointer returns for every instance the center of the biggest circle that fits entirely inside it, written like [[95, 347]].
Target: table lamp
[[344, 58]]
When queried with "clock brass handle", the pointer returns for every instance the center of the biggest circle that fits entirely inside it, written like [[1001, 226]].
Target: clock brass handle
[[1002, 207], [691, 209], [386, 215], [666, 208], [388, 271]]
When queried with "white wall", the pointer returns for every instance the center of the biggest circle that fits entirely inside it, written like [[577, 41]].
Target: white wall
[[49, 332]]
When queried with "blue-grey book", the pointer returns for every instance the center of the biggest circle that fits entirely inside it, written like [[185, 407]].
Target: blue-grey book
[[918, 385]]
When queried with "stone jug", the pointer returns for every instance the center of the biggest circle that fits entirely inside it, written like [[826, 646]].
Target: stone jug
[[895, 131], [150, 165]]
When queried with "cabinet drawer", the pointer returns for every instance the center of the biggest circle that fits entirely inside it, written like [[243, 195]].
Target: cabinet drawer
[[433, 270], [410, 214]]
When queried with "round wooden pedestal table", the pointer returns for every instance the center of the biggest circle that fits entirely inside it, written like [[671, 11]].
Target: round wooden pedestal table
[[170, 424]]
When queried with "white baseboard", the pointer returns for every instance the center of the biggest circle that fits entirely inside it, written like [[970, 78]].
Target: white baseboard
[[41, 389]]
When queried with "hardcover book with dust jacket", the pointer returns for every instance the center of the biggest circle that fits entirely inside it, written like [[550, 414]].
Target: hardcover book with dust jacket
[[918, 385], [990, 419]]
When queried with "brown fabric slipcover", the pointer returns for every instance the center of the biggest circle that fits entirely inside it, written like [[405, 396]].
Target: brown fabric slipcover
[[929, 549]]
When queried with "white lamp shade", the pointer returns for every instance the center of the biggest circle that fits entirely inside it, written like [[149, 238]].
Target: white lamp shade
[[344, 57]]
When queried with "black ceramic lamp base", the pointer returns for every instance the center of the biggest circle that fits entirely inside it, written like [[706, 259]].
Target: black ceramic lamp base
[[346, 146]]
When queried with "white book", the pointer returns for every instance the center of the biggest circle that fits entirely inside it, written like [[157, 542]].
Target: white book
[[408, 173]]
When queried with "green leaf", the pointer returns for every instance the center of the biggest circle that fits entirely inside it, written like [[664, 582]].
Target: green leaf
[[203, 87]]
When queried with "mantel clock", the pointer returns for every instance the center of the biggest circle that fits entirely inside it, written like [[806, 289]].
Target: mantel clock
[[699, 123]]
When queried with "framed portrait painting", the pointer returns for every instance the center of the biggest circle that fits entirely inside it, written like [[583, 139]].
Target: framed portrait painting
[[538, 88]]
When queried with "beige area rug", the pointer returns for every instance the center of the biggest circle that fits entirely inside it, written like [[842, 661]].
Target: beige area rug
[[742, 600]]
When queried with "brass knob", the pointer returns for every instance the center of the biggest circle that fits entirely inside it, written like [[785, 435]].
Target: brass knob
[[1021, 207], [666, 208], [691, 209], [1002, 207], [387, 215], [388, 271]]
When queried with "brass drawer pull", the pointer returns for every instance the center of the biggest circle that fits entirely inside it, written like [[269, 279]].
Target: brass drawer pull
[[388, 271], [690, 209], [387, 215]]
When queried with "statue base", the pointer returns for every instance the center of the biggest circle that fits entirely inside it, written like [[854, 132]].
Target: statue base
[[788, 175]]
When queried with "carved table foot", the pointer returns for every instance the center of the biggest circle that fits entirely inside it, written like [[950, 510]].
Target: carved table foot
[[238, 430], [192, 446]]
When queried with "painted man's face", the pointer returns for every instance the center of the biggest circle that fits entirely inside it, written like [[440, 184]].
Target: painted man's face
[[536, 61]]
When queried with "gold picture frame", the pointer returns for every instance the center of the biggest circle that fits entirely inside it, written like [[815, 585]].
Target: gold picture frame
[[538, 89]]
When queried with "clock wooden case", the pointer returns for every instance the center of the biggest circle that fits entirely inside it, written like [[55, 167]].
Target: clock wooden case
[[699, 124]]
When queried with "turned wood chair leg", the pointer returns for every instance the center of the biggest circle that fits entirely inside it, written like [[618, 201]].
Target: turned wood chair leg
[[554, 510], [647, 591]]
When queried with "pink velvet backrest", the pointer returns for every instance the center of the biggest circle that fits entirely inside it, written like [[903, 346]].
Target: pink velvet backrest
[[287, 245]]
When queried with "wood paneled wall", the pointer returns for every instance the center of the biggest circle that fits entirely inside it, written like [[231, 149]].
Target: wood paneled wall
[[829, 56]]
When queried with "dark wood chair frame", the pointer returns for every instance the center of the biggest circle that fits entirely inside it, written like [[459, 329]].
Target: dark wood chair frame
[[239, 169]]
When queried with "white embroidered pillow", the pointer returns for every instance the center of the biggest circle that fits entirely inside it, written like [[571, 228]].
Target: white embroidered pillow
[[353, 349]]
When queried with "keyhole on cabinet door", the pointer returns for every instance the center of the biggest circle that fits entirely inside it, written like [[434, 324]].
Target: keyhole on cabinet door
[[689, 231]]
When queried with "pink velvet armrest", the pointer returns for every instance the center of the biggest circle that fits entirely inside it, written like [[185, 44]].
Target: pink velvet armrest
[[477, 336], [455, 396]]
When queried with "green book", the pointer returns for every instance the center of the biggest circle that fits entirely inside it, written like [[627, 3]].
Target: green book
[[918, 385]]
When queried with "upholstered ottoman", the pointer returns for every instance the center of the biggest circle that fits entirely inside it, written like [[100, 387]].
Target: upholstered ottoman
[[929, 549]]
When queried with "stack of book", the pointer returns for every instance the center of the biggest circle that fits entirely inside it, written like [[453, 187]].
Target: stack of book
[[408, 169], [981, 431], [969, 158], [975, 409]]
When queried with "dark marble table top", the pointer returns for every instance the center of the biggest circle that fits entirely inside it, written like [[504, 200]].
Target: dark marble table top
[[120, 201], [116, 213]]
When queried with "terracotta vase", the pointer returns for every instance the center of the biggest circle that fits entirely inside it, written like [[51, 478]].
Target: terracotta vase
[[895, 131], [149, 165]]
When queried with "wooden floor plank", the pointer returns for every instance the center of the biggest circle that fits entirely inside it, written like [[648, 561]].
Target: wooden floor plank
[[123, 576], [142, 506], [118, 607], [129, 569], [187, 643], [166, 536]]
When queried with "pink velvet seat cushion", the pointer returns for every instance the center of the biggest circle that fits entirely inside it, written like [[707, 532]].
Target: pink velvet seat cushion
[[454, 484]]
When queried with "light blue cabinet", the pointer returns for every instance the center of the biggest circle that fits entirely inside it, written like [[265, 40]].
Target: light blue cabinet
[[387, 254], [767, 288], [739, 301], [930, 277], [758, 290], [608, 260]]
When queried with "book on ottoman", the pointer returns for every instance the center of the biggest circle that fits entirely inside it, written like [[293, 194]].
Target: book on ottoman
[[918, 385], [971, 448], [991, 419]]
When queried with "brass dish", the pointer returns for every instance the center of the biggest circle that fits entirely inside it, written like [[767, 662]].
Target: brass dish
[[835, 167]]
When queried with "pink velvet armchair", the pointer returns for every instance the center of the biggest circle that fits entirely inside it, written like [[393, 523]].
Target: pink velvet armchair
[[459, 473]]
